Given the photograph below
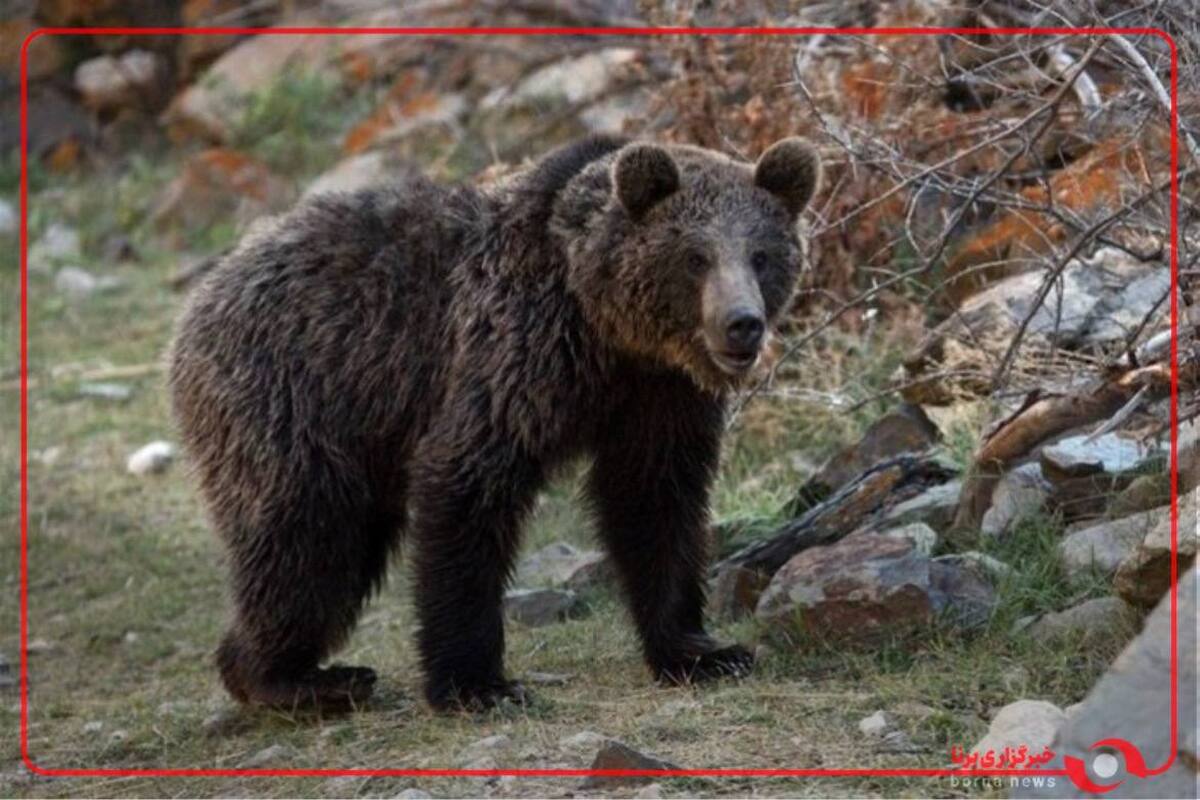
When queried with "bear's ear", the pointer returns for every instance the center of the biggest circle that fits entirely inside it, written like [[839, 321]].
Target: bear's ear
[[644, 175], [790, 169]]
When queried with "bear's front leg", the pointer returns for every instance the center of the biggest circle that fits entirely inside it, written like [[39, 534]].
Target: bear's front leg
[[649, 485], [467, 509]]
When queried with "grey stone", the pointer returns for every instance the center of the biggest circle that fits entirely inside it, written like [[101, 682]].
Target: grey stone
[[1020, 493], [651, 791], [1101, 548], [78, 283], [584, 740], [617, 755], [151, 458], [575, 80], [1080, 456], [876, 725], [1144, 575], [1028, 723], [538, 607], [961, 593], [923, 537], [935, 507], [8, 218], [118, 392], [414, 794], [57, 244], [1133, 702], [1122, 313], [561, 565], [1098, 619], [984, 565]]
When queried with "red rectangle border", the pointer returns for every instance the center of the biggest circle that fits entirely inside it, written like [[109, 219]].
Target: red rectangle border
[[569, 31]]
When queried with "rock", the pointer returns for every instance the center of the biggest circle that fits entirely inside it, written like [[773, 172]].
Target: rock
[[858, 588], [403, 114], [208, 108], [118, 736], [95, 726], [1028, 723], [8, 218], [414, 794], [1142, 494], [538, 607], [1144, 575], [1095, 620], [486, 748], [961, 593], [39, 647], [651, 791], [118, 392], [575, 80], [1080, 456], [1121, 314], [151, 458], [613, 114], [584, 740], [989, 567], [1101, 548], [268, 757], [923, 537], [59, 243], [905, 430], [935, 507], [78, 283], [561, 565], [1132, 702], [1020, 493], [876, 725], [362, 171], [216, 184], [736, 591], [956, 359], [618, 755], [106, 83]]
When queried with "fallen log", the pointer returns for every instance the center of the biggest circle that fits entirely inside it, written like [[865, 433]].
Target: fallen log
[[875, 490]]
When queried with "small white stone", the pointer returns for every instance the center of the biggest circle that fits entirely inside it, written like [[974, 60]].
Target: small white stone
[[93, 727], [414, 794], [877, 725], [584, 740], [8, 219], [651, 792], [152, 458]]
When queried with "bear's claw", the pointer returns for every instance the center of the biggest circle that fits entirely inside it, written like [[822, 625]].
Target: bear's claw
[[480, 698], [733, 661]]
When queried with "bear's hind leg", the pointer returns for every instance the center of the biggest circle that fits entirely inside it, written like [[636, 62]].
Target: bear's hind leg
[[298, 587]]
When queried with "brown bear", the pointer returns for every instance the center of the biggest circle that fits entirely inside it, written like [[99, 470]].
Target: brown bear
[[412, 361]]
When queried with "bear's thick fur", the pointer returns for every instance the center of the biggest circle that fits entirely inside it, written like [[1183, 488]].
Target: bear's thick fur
[[414, 360]]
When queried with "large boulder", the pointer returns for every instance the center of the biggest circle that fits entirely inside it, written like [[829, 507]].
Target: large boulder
[[1144, 575], [1101, 548], [866, 587], [1134, 703]]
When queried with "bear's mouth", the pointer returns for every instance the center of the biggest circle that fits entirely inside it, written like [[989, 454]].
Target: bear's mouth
[[734, 363]]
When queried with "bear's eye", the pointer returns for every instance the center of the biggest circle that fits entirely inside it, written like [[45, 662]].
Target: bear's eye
[[697, 263], [759, 261]]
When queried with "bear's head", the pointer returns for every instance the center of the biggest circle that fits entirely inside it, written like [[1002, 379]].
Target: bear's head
[[686, 257]]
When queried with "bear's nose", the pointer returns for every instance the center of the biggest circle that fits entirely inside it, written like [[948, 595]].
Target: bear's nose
[[744, 331]]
